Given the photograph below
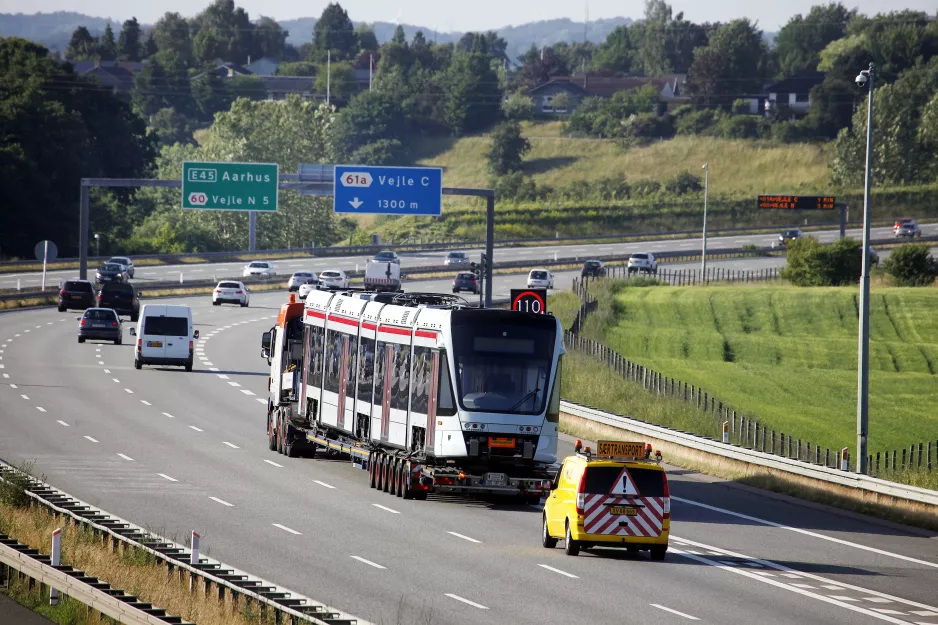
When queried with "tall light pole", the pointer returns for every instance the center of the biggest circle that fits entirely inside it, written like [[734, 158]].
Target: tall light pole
[[703, 252], [863, 79]]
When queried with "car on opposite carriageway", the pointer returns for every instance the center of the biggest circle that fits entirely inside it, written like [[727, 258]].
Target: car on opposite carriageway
[[126, 264]]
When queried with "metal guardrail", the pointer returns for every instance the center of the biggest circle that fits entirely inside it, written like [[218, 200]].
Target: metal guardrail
[[724, 450], [289, 604], [73, 583]]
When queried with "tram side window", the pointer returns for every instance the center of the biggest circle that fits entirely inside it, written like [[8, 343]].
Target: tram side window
[[379, 372], [401, 388], [366, 369], [421, 380], [334, 341], [350, 367], [315, 337], [446, 405]]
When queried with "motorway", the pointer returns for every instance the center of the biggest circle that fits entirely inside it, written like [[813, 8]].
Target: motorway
[[286, 267], [174, 452]]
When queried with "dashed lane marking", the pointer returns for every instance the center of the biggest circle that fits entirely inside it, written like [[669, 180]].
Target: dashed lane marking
[[232, 445], [145, 402], [40, 409], [222, 502], [126, 457], [129, 391], [368, 562], [330, 486], [392, 511], [666, 609], [247, 392], [466, 601], [166, 414], [273, 463], [26, 397], [558, 571], [93, 440], [192, 427], [166, 477], [286, 529], [233, 384], [261, 400], [63, 423], [464, 537]]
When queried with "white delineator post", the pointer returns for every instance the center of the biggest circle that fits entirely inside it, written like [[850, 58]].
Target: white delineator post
[[845, 459], [726, 432], [45, 258], [180, 277], [56, 556], [194, 548]]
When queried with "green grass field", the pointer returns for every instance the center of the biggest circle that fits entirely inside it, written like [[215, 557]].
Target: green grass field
[[788, 356], [738, 168]]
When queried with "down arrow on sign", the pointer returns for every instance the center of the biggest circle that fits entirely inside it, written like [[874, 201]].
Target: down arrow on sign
[[356, 203]]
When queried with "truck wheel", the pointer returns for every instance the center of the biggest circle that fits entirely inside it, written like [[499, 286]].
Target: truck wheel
[[289, 444], [379, 472], [279, 433], [570, 547], [402, 485], [372, 459], [547, 540], [395, 480], [386, 474], [406, 488], [658, 552], [271, 434]]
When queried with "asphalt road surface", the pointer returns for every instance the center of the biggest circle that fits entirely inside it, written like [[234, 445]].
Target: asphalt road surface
[[286, 267], [177, 451]]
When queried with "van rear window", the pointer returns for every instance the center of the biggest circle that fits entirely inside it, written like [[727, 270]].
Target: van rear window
[[166, 326], [81, 287], [601, 480]]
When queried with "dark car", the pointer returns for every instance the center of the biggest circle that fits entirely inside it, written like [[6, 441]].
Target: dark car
[[76, 295], [466, 281], [593, 269], [102, 324], [110, 272], [123, 298]]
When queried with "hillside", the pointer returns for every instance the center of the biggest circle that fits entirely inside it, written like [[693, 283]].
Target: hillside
[[738, 168], [788, 356]]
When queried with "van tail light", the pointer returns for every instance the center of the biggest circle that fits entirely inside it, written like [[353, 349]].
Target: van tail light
[[667, 497], [190, 347], [581, 495], [139, 344]]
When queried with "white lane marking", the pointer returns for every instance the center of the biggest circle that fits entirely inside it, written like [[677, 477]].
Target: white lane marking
[[661, 607], [286, 529], [222, 502], [466, 601], [378, 505], [25, 331], [832, 587], [40, 409], [37, 327], [13, 386], [116, 380], [145, 402], [368, 562], [810, 586], [93, 440], [6, 376], [166, 477], [247, 392], [64, 423], [262, 400], [780, 567], [207, 363], [273, 463], [222, 376], [107, 370], [169, 415], [464, 537], [126, 457], [214, 369], [233, 384], [49, 323], [192, 427], [324, 484], [232, 445], [550, 568], [923, 613], [129, 391], [100, 362], [886, 611], [18, 335], [26, 397], [807, 532], [843, 598], [872, 599]]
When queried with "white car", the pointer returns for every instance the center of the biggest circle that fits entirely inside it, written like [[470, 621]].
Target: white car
[[228, 292], [259, 269], [643, 262], [333, 279], [540, 279], [306, 289], [300, 277]]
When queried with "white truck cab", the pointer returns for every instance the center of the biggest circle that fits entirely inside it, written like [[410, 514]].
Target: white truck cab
[[165, 336]]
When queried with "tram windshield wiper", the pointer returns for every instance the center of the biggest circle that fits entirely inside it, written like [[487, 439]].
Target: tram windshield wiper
[[524, 399]]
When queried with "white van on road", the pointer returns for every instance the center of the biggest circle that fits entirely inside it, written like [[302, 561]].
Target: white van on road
[[165, 336]]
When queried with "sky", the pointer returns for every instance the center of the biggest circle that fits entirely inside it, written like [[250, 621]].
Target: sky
[[452, 15]]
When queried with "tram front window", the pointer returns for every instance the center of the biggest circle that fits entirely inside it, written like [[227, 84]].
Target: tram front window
[[503, 360]]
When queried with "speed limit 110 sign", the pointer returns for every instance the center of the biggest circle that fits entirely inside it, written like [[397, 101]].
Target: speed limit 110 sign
[[529, 300]]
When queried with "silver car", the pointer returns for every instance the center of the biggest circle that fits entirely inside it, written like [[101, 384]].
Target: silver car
[[908, 229], [125, 263], [457, 259]]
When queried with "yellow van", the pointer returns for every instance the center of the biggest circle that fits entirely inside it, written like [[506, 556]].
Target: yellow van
[[617, 497]]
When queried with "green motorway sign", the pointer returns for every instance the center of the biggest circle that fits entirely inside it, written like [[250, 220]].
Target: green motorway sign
[[230, 186]]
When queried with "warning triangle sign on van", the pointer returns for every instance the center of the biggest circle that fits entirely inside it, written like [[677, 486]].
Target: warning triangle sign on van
[[624, 486]]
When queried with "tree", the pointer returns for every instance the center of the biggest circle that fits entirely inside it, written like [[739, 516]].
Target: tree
[[342, 85], [209, 93], [372, 126], [472, 96], [106, 46], [128, 45], [832, 107], [518, 106], [367, 40], [223, 32], [334, 32], [604, 117], [508, 148], [171, 127], [171, 33], [732, 64], [298, 68], [617, 52], [269, 38], [811, 264], [799, 43], [399, 37], [52, 137], [541, 66], [81, 46], [163, 83], [667, 43], [912, 265]]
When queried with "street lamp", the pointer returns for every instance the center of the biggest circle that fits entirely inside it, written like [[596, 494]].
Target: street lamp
[[703, 253], [865, 79], [97, 244]]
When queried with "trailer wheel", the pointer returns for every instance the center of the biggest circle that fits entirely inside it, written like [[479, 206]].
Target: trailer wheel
[[386, 473], [371, 469], [379, 471], [402, 482], [406, 476], [271, 433], [395, 477]]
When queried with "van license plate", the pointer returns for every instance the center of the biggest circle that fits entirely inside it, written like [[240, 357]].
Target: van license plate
[[623, 511], [154, 343], [496, 479]]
